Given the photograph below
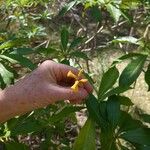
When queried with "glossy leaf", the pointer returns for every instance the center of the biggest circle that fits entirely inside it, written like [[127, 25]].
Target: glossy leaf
[[127, 123], [113, 110], [117, 90], [132, 71], [103, 109], [139, 136], [125, 101], [64, 38], [147, 77], [126, 56], [107, 139], [93, 109], [86, 137], [108, 80]]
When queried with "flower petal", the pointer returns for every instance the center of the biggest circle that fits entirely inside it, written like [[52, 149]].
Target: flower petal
[[75, 86], [72, 75], [83, 80]]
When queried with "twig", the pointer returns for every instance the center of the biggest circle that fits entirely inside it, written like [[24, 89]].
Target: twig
[[146, 31], [91, 38], [40, 45]]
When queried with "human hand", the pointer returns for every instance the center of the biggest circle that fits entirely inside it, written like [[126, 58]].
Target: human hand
[[48, 84], [45, 85]]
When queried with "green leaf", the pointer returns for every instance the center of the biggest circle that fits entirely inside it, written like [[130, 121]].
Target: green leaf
[[105, 136], [126, 56], [15, 146], [125, 101], [127, 39], [2, 83], [23, 51], [64, 38], [147, 77], [93, 109], [67, 7], [4, 57], [145, 117], [65, 61], [26, 126], [22, 61], [133, 4], [127, 123], [11, 43], [64, 112], [96, 14], [132, 71], [114, 11], [103, 111], [116, 90], [113, 146], [86, 137], [76, 42], [79, 54], [139, 136], [5, 74], [108, 80], [113, 110], [47, 51], [142, 147]]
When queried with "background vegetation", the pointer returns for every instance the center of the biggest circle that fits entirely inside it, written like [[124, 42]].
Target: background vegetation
[[83, 34]]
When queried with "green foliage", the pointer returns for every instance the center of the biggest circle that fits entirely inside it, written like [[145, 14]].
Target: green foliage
[[140, 136], [147, 77], [73, 33], [86, 138], [132, 71], [15, 145], [111, 75], [64, 38]]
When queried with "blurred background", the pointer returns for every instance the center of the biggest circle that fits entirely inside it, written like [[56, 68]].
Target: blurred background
[[88, 34]]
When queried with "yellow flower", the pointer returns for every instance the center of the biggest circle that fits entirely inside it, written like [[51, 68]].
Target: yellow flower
[[78, 81]]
